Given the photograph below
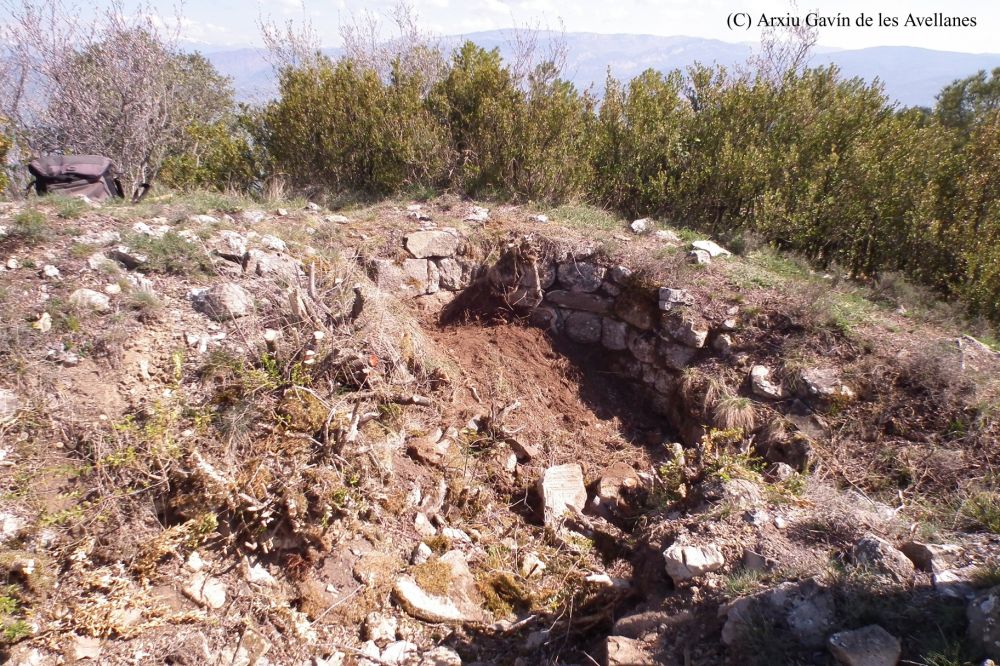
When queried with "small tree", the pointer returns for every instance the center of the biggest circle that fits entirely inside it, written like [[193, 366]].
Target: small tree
[[962, 103], [117, 86], [481, 104], [407, 51]]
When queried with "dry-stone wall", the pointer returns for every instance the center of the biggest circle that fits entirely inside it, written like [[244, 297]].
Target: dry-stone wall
[[652, 332], [434, 263]]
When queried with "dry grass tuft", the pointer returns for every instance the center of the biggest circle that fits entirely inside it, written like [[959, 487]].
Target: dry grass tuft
[[734, 412]]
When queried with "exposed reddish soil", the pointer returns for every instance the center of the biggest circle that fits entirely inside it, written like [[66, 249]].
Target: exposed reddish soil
[[571, 406]]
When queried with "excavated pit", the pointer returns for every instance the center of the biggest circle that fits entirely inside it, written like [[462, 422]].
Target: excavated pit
[[572, 359], [576, 403]]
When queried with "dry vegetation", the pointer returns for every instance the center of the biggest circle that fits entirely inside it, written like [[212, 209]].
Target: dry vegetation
[[283, 456]]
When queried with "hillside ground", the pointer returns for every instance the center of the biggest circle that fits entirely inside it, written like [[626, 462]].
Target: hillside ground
[[184, 488]]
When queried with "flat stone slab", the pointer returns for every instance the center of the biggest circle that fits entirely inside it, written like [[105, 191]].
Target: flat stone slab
[[562, 490], [460, 605], [714, 249], [434, 243]]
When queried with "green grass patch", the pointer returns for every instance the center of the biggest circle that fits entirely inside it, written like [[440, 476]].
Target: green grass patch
[[742, 582], [172, 254], [768, 269], [145, 304], [67, 208], [30, 227], [955, 654], [586, 217], [983, 509]]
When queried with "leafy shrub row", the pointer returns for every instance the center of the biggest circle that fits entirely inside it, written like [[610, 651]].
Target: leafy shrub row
[[811, 162]]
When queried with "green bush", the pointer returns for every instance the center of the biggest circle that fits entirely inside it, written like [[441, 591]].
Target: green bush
[[225, 155], [812, 163], [554, 130], [639, 143], [343, 128], [977, 219], [30, 227], [480, 105]]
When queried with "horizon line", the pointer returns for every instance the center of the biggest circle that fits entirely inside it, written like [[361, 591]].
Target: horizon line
[[826, 47]]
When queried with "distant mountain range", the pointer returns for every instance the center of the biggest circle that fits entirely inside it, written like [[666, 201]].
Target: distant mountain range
[[912, 76]]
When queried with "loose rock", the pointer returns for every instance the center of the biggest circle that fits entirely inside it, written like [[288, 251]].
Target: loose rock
[[684, 562], [421, 553], [460, 604], [699, 257], [984, 622], [90, 299], [868, 646], [615, 484], [879, 555], [641, 225], [561, 488], [931, 557], [98, 238], [225, 301], [957, 583], [532, 565], [380, 628], [272, 264], [9, 404], [723, 344], [477, 214], [824, 383], [714, 249], [206, 591], [432, 449], [440, 656], [127, 257], [762, 386], [804, 609], [628, 652], [437, 243], [229, 245]]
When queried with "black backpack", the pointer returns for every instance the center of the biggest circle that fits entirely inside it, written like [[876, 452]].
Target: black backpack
[[93, 176]]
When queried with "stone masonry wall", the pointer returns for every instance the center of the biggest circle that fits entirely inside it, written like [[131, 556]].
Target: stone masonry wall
[[651, 332]]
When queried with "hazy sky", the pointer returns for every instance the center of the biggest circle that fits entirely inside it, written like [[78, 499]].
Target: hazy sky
[[235, 21]]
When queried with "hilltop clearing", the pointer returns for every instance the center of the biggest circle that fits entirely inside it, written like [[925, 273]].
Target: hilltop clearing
[[431, 433]]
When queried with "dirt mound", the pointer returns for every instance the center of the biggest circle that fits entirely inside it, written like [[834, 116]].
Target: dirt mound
[[570, 400]]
